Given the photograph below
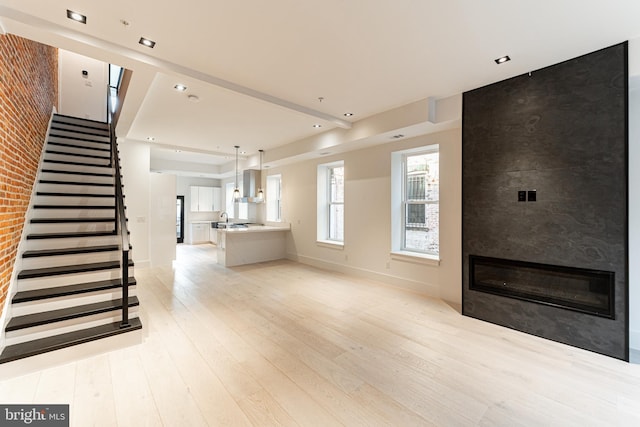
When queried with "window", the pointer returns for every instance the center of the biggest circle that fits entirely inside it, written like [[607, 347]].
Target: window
[[331, 202], [237, 210], [228, 197], [274, 189], [415, 199]]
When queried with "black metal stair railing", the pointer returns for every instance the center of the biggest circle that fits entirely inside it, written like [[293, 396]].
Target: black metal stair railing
[[120, 226]]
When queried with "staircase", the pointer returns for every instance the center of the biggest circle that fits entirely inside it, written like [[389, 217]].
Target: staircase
[[69, 288]]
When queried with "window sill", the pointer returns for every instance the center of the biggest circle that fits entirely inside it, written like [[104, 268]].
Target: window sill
[[416, 258], [331, 244]]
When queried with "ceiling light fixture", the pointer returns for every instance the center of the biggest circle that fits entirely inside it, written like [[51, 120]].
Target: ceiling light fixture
[[180, 87], [75, 16], [236, 191], [502, 59], [397, 136], [260, 191], [146, 42], [348, 114], [151, 138], [193, 98], [317, 126]]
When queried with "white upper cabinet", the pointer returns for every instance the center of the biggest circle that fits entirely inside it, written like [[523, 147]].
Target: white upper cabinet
[[205, 199]]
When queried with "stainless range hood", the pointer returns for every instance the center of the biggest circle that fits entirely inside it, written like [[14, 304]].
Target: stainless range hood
[[250, 186]]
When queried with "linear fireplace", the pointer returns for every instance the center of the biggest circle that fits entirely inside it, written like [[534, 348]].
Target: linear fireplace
[[578, 289]]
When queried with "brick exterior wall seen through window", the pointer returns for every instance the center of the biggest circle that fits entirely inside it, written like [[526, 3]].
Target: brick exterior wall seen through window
[[28, 93]]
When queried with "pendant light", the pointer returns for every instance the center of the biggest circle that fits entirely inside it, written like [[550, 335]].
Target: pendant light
[[260, 192], [236, 191]]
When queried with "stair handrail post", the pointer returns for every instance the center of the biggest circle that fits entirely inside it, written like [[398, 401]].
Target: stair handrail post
[[120, 226]]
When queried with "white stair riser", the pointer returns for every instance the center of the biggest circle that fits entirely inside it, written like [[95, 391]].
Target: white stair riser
[[77, 150], [32, 307], [75, 242], [79, 128], [78, 135], [74, 200], [57, 328], [70, 279], [84, 258], [71, 227], [68, 158], [61, 176], [77, 168], [73, 120], [79, 189], [73, 213]]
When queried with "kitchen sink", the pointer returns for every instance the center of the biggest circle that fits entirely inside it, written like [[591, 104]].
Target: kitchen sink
[[232, 225]]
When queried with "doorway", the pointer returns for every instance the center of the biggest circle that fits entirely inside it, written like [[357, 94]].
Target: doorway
[[180, 219]]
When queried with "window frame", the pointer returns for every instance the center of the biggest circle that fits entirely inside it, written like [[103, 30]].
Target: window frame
[[274, 201], [400, 202], [325, 202]]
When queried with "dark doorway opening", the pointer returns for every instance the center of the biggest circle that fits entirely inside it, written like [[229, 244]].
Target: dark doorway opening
[[180, 219]]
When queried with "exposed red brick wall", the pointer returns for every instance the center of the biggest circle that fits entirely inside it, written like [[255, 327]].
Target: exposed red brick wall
[[28, 92]]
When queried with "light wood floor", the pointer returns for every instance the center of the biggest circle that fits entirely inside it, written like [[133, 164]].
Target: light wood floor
[[281, 344]]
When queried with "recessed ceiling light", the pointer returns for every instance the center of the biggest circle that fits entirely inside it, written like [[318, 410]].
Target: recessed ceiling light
[[243, 152], [178, 151], [317, 126], [78, 17], [180, 88], [193, 98], [397, 136], [146, 42], [502, 59], [348, 114], [151, 138]]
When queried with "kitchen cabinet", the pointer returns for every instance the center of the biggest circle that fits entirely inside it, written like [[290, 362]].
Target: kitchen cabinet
[[200, 232], [205, 199]]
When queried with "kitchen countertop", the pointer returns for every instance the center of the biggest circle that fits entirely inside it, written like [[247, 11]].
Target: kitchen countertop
[[255, 229]]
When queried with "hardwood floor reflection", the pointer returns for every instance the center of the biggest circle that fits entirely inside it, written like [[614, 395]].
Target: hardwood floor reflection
[[281, 344]]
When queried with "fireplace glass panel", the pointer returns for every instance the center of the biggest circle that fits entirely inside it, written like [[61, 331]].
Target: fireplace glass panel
[[583, 290]]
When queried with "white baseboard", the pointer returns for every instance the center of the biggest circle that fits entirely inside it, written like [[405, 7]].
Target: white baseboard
[[398, 282]]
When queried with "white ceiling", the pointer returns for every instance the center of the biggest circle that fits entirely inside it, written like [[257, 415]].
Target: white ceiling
[[260, 67]]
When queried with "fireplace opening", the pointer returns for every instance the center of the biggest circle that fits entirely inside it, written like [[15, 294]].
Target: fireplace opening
[[578, 289]]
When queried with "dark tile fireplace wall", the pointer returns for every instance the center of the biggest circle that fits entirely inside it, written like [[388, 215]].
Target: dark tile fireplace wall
[[562, 132]]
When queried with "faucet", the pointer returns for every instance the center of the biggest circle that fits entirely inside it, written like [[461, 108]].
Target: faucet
[[225, 215]]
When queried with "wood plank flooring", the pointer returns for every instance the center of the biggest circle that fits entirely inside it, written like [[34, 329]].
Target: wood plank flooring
[[283, 344]]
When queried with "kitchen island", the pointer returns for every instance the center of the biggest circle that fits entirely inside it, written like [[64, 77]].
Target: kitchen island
[[248, 245]]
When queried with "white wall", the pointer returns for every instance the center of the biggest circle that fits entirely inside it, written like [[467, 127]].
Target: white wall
[[162, 219], [367, 242], [634, 194], [80, 96], [134, 157]]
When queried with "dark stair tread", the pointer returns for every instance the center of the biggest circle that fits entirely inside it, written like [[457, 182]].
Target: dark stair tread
[[89, 132], [71, 234], [70, 269], [93, 184], [71, 163], [83, 147], [61, 291], [69, 251], [106, 175], [70, 220], [88, 121], [59, 194], [57, 342], [66, 153], [46, 317], [72, 207]]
